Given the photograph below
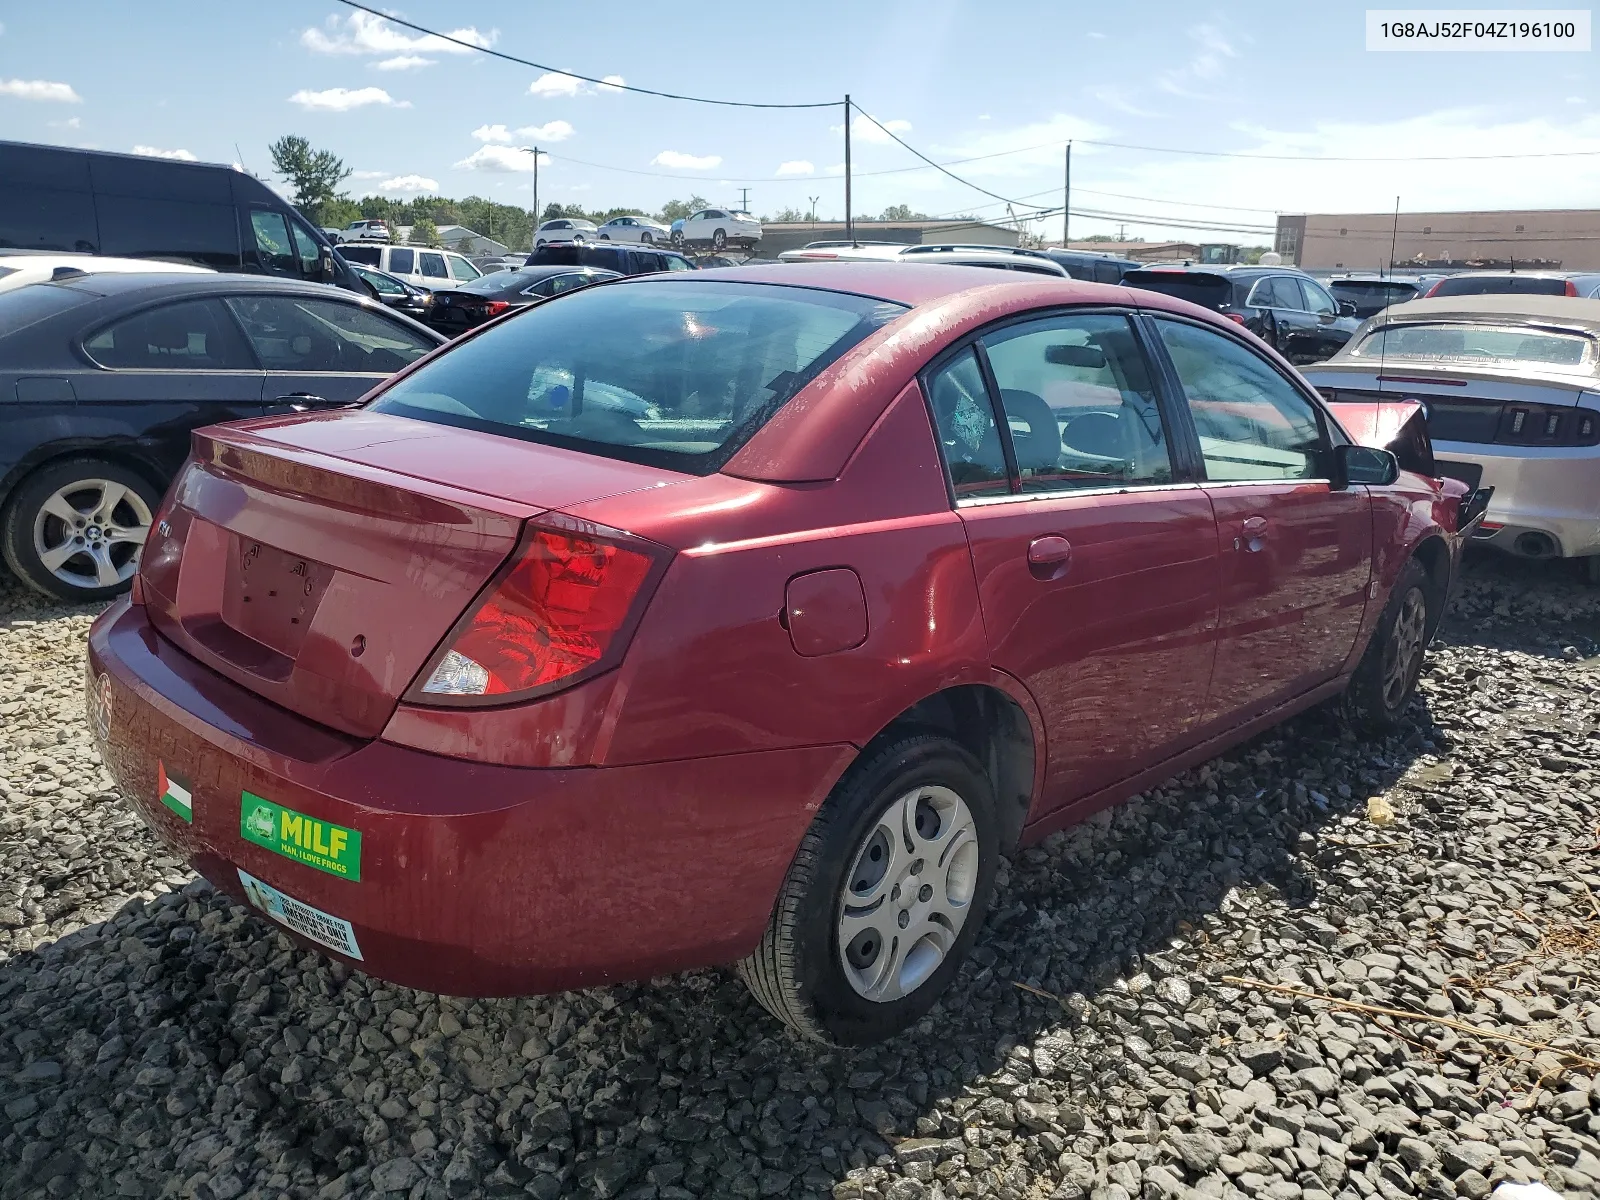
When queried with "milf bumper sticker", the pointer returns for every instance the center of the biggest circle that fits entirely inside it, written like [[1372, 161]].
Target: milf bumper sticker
[[320, 844]]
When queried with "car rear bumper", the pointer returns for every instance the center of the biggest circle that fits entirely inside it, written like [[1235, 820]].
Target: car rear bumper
[[472, 879], [1555, 492]]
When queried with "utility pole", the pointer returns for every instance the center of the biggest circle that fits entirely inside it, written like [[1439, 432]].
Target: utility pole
[[744, 199], [813, 200], [534, 150], [849, 213], [1066, 199]]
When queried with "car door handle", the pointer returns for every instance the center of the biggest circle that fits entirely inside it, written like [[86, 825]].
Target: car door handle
[[295, 402], [1253, 535], [1049, 557]]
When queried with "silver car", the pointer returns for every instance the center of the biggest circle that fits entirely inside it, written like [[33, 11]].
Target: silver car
[[1511, 386]]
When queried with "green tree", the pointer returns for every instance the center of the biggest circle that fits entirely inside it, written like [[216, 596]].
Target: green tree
[[790, 216], [313, 175], [424, 232], [677, 210], [902, 212]]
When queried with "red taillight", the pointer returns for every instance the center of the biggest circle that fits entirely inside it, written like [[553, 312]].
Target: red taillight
[[1434, 289], [1236, 318], [563, 610], [1572, 288], [495, 307]]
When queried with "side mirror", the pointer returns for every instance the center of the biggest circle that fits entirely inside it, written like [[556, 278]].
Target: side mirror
[[1347, 308], [1363, 464], [325, 262]]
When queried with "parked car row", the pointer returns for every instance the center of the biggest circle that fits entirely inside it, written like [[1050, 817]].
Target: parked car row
[[712, 228]]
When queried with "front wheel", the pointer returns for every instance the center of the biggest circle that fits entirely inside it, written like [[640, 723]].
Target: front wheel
[[884, 897], [539, 245], [646, 238], [718, 241], [604, 237], [1375, 700], [74, 529]]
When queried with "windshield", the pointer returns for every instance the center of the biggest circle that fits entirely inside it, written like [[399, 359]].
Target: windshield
[[1494, 285], [1371, 296], [676, 375], [1456, 342]]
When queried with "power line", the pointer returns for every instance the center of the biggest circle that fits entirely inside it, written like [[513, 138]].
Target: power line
[[1333, 158], [621, 87], [890, 133]]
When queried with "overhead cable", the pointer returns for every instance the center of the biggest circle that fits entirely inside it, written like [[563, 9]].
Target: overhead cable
[[606, 83], [938, 166]]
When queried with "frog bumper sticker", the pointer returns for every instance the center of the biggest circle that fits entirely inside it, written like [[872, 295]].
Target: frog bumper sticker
[[320, 844]]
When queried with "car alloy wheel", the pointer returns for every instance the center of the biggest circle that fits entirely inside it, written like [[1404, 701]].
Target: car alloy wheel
[[646, 238], [718, 241], [908, 893], [886, 892], [88, 534], [1402, 652]]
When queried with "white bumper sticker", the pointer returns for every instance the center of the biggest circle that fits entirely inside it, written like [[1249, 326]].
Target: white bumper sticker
[[322, 928]]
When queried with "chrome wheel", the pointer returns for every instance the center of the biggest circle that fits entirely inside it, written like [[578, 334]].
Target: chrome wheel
[[88, 533], [907, 893], [1402, 655]]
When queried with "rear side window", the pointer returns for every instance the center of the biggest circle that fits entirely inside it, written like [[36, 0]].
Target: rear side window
[[968, 436], [45, 218], [1481, 285], [294, 333], [181, 230], [678, 376], [674, 263], [608, 258], [1079, 404], [25, 306], [403, 262], [370, 255], [193, 335], [1107, 272]]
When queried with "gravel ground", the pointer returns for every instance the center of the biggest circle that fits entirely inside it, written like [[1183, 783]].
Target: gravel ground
[[1110, 1038]]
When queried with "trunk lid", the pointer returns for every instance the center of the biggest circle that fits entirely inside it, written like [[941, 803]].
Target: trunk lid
[[320, 560]]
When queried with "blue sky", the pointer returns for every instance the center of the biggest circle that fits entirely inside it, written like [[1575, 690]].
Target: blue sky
[[955, 78]]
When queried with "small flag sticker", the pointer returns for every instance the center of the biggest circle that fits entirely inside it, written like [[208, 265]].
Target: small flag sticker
[[174, 794]]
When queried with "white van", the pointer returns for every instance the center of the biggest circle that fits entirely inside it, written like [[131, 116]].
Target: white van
[[429, 269]]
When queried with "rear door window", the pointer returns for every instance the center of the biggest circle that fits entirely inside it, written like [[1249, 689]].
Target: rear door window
[[1079, 403], [675, 375], [608, 258], [969, 438], [191, 335], [294, 333], [432, 265], [403, 262], [674, 263]]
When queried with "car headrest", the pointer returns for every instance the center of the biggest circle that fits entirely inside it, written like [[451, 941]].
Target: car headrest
[[1098, 433], [1040, 447]]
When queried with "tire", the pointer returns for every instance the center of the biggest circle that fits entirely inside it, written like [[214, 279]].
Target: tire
[[101, 555], [1381, 688], [604, 237], [677, 238], [539, 245], [646, 239], [817, 984], [718, 241]]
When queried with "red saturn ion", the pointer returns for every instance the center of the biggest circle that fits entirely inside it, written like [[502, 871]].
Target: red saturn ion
[[746, 616]]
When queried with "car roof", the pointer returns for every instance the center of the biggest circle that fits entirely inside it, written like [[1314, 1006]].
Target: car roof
[[1510, 273], [1566, 309], [927, 283], [160, 284]]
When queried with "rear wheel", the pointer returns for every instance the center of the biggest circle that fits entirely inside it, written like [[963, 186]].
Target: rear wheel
[[539, 245], [718, 241], [884, 897], [74, 529], [646, 238], [604, 237], [1384, 683]]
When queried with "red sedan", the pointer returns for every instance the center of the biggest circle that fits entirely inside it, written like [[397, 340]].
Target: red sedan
[[746, 616]]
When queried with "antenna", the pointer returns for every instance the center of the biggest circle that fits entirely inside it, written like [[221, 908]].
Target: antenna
[[240, 157], [1383, 346], [1394, 235]]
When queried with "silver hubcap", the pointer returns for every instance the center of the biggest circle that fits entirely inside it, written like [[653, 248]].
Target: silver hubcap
[[908, 893], [1403, 654], [89, 533]]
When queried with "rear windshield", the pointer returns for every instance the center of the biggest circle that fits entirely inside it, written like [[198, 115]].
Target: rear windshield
[[362, 254], [32, 303], [1374, 289], [1208, 291], [676, 375], [1495, 285], [1453, 342]]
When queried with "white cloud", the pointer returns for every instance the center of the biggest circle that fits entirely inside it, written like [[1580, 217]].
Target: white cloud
[[155, 152], [409, 183], [69, 123], [550, 131], [363, 33], [1206, 66], [368, 174], [798, 167], [344, 99], [39, 89], [686, 162], [863, 130], [403, 62], [554, 83], [559, 83], [500, 158]]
